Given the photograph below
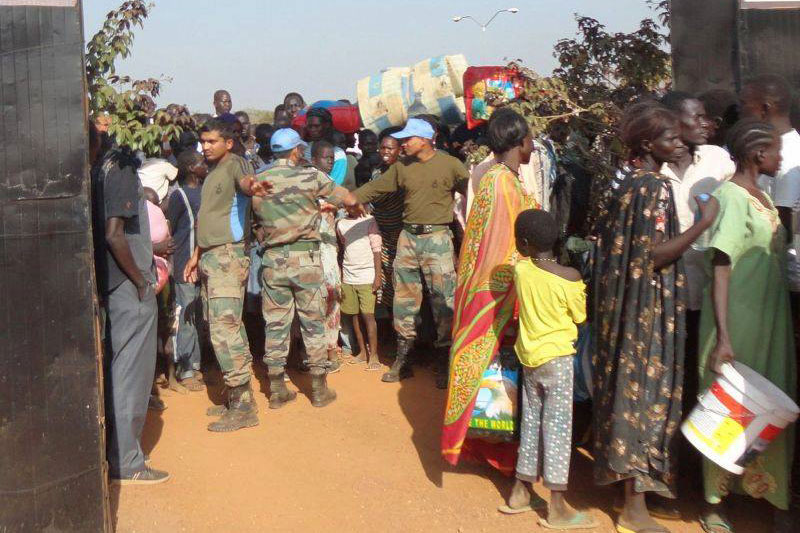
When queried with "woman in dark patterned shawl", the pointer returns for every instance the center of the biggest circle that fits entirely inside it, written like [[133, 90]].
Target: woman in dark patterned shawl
[[638, 292]]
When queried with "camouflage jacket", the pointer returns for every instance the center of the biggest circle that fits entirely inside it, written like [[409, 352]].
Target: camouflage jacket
[[291, 213]]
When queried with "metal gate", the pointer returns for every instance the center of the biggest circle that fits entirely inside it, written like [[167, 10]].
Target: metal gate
[[52, 445]]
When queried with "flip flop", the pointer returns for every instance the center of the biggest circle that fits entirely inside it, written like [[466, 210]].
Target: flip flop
[[656, 511], [623, 529], [716, 524], [578, 521], [537, 504]]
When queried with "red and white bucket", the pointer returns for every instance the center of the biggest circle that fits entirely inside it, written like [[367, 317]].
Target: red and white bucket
[[738, 416]]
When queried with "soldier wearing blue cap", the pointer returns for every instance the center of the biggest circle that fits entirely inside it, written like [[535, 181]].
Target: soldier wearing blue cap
[[425, 247], [292, 274]]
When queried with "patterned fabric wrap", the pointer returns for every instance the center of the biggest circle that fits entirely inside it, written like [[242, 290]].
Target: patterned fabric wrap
[[332, 292], [484, 303], [639, 338], [388, 213]]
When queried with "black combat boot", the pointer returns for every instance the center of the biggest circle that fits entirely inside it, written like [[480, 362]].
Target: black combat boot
[[241, 411], [279, 393], [321, 395], [442, 367], [401, 368]]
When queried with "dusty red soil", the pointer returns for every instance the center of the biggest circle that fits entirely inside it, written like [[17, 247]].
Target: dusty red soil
[[368, 462]]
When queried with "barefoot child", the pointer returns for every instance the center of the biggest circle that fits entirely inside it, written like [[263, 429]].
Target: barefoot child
[[552, 300], [362, 278]]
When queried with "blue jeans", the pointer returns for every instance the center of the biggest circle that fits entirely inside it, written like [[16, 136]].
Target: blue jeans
[[187, 351], [347, 334]]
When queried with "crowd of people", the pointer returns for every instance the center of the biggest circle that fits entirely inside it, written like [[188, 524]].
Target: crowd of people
[[342, 244]]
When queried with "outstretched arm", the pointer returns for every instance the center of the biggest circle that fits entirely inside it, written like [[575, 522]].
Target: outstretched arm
[[667, 252]]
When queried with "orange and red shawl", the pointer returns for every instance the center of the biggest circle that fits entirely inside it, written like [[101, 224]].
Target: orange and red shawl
[[484, 306]]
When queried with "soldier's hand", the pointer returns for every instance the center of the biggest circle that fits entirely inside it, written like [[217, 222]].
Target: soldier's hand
[[325, 207], [357, 210], [251, 187]]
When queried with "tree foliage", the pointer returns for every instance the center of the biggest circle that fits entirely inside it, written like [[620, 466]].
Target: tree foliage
[[129, 103], [599, 74]]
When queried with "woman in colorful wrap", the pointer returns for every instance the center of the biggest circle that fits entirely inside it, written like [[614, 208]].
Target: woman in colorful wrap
[[638, 299], [485, 297], [746, 315]]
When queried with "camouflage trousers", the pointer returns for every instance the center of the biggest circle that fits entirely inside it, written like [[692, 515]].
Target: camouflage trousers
[[424, 263], [224, 270], [293, 280]]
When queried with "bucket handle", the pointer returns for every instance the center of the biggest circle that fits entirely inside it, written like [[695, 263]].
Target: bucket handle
[[731, 415]]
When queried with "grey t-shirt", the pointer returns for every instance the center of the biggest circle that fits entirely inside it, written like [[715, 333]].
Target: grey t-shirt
[[118, 193]]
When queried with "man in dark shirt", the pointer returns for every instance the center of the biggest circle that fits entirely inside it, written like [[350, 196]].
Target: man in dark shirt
[[184, 204], [425, 247], [127, 280]]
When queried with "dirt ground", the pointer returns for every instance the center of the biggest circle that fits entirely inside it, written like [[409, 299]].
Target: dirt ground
[[368, 462]]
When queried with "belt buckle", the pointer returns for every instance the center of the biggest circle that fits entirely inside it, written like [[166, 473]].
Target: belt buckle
[[427, 228]]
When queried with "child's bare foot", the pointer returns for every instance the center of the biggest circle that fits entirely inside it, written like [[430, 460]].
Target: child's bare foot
[[522, 500], [565, 517], [374, 364], [358, 359], [176, 386]]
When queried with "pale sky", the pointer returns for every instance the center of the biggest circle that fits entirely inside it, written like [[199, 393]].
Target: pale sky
[[261, 49]]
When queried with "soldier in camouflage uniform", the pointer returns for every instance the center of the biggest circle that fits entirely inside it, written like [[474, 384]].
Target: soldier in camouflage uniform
[[425, 248], [222, 232], [292, 268]]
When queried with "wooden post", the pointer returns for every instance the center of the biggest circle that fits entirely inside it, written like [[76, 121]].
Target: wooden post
[[52, 440]]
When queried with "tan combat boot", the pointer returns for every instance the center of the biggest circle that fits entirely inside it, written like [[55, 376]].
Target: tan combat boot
[[241, 411]]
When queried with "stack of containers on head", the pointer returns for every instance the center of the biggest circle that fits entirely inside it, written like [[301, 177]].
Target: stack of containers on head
[[435, 84]]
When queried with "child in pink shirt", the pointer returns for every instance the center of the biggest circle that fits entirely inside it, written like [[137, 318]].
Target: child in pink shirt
[[361, 280]]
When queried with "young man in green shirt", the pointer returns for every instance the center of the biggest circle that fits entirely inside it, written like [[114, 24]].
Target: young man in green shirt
[[222, 230], [425, 247]]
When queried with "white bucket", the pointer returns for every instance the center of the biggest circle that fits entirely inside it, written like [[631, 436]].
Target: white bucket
[[738, 416]]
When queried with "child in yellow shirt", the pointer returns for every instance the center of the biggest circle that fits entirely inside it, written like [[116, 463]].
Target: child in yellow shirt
[[552, 300]]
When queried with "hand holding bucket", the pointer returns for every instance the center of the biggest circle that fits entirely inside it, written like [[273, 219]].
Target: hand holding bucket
[[738, 416]]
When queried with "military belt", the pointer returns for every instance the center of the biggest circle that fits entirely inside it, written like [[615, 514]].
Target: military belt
[[422, 229], [298, 246]]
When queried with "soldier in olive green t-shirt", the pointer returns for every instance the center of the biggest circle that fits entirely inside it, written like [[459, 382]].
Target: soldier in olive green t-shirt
[[425, 247], [222, 225]]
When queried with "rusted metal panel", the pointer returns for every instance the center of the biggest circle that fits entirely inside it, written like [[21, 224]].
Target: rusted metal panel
[[704, 47], [52, 446], [770, 42], [720, 43]]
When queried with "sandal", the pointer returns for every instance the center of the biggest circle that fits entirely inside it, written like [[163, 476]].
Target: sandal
[[624, 529], [656, 510], [714, 520], [578, 521]]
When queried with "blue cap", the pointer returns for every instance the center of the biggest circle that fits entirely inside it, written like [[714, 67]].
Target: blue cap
[[415, 127], [285, 139]]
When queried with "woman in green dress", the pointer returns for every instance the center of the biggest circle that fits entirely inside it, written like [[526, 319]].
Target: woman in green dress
[[746, 315]]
